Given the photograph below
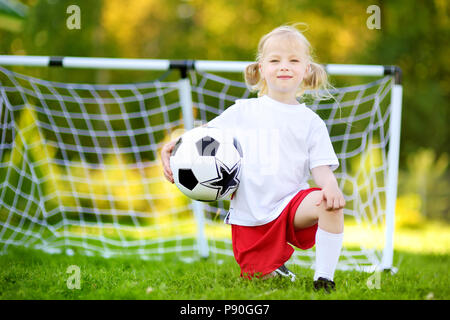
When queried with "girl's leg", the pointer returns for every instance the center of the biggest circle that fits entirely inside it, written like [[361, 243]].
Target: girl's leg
[[308, 214], [329, 234]]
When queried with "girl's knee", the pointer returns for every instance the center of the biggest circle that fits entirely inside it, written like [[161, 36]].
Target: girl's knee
[[331, 220], [333, 212]]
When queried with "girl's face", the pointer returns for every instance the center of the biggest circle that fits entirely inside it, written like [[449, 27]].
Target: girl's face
[[283, 66]]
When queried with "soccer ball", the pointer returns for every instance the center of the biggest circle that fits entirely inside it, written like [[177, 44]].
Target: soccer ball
[[206, 164]]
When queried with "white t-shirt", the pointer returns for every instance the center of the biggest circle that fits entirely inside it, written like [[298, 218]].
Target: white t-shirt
[[280, 144]]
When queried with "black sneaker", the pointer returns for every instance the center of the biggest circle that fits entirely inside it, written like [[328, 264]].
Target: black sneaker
[[284, 272], [323, 283]]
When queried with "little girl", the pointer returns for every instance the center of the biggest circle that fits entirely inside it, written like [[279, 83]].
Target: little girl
[[274, 208]]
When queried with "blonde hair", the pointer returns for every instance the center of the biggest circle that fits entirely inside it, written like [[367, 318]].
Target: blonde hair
[[315, 78]]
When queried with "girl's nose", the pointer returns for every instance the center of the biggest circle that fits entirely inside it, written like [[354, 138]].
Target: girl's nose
[[283, 66]]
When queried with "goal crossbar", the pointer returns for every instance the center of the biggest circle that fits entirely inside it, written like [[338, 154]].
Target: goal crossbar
[[165, 64]]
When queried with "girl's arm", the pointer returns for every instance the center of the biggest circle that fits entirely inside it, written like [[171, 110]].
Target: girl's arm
[[165, 159], [325, 179]]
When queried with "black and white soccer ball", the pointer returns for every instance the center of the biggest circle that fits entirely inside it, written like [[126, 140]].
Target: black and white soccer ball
[[206, 164]]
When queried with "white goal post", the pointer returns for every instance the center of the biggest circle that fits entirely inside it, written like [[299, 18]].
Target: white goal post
[[386, 123]]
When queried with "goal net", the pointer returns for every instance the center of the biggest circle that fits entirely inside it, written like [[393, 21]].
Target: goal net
[[80, 168]]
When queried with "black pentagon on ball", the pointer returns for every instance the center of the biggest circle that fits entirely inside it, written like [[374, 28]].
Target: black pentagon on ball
[[207, 146], [187, 178], [175, 147]]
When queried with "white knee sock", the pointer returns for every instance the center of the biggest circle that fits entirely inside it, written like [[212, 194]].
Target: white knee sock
[[328, 250]]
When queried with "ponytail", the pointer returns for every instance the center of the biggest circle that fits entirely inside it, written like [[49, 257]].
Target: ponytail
[[252, 75], [253, 79], [316, 80]]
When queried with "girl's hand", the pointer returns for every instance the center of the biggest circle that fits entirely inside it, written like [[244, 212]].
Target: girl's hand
[[333, 197], [165, 158]]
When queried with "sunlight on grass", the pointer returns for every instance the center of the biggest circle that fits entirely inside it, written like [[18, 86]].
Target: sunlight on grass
[[432, 237], [186, 227]]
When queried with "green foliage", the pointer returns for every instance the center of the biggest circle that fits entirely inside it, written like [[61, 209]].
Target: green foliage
[[12, 15], [427, 178], [412, 36]]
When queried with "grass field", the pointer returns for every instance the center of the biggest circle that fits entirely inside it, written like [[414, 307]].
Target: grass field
[[30, 274]]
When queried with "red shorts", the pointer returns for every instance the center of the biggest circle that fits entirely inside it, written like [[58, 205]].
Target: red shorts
[[259, 250]]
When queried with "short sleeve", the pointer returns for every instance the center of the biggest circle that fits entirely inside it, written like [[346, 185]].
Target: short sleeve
[[228, 118], [320, 149]]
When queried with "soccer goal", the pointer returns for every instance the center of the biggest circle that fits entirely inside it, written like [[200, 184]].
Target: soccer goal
[[80, 167]]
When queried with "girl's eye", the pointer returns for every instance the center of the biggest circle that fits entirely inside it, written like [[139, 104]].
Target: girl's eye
[[293, 60]]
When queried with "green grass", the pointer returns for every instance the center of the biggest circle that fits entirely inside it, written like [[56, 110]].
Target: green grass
[[31, 274]]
